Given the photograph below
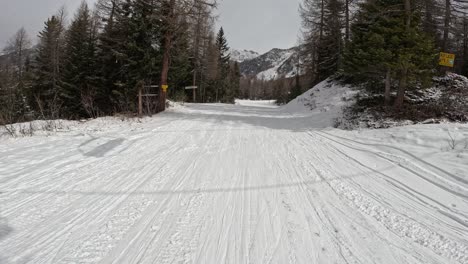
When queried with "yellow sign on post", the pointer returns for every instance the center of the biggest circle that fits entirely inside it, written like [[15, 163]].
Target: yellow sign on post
[[164, 87], [447, 59]]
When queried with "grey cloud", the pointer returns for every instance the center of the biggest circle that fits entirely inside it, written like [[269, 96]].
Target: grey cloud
[[257, 25], [30, 14], [260, 24]]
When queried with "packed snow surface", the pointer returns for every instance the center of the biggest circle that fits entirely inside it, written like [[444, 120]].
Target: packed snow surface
[[257, 103], [236, 184]]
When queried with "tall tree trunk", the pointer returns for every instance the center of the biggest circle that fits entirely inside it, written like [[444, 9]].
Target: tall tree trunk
[[166, 55], [402, 89], [322, 19], [465, 37], [347, 35], [57, 54], [404, 71], [196, 47], [388, 83], [20, 61], [465, 47], [448, 13], [165, 71], [408, 14]]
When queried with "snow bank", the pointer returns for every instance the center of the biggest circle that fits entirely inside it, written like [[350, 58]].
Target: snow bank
[[443, 144], [84, 126], [325, 97], [56, 127], [445, 101], [257, 103], [174, 105]]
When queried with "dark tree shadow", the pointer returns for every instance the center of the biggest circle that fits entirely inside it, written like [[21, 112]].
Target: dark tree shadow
[[101, 150], [5, 230]]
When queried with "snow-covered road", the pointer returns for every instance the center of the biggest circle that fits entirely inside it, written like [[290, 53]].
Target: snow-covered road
[[230, 184]]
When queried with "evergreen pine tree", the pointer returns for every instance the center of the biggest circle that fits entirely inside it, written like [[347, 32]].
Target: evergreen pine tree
[[330, 45], [223, 82], [210, 71], [370, 54], [110, 55], [142, 43], [80, 66], [231, 83], [384, 45], [223, 48], [297, 89], [47, 69], [236, 76], [182, 67], [116, 91]]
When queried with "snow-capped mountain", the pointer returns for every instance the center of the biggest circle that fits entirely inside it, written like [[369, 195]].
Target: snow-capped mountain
[[243, 55], [5, 55], [272, 65]]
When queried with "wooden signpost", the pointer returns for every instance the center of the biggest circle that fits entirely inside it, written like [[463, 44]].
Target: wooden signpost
[[146, 95]]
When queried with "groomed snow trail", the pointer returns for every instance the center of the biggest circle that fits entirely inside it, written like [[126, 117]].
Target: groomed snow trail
[[226, 184]]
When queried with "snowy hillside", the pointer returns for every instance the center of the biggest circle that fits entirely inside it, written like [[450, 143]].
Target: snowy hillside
[[243, 55], [273, 64], [324, 103], [446, 100]]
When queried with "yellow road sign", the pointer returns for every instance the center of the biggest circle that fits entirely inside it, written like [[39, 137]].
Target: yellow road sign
[[447, 59], [164, 87]]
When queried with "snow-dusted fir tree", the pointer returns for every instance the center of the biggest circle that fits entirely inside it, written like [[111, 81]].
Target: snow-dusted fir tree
[[323, 24], [223, 48], [330, 46], [388, 41], [80, 70], [48, 67], [112, 57], [224, 57]]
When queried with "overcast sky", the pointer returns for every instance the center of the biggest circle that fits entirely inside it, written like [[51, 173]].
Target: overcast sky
[[258, 25]]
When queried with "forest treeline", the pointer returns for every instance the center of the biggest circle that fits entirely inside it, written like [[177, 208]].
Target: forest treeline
[[390, 45], [94, 62]]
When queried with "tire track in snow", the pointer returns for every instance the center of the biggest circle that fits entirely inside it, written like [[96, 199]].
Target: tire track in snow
[[107, 240], [454, 177], [402, 225], [327, 178], [153, 222], [64, 218], [450, 212], [329, 228], [36, 197]]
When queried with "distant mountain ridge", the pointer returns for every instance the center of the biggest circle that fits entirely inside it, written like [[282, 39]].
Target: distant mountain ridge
[[243, 55], [5, 56], [272, 65]]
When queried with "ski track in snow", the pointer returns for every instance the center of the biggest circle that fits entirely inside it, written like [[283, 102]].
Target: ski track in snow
[[226, 184]]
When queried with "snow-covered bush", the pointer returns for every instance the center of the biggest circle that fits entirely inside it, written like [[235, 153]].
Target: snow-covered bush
[[445, 101]]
